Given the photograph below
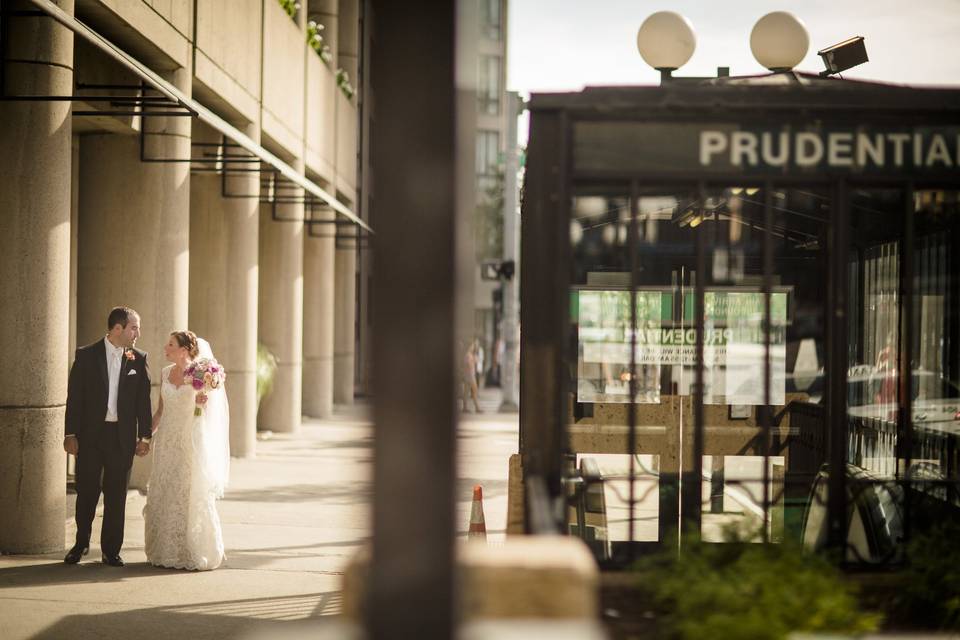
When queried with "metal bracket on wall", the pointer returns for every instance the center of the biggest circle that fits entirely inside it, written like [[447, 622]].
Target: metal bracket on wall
[[321, 228], [154, 96], [317, 228], [139, 103]]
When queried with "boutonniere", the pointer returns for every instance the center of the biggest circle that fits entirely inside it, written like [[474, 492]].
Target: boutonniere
[[130, 355]]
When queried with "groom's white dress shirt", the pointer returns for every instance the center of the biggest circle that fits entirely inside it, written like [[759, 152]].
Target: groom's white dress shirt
[[114, 355]]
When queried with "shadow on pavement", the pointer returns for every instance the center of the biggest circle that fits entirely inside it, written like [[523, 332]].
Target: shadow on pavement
[[219, 619], [343, 493], [88, 571]]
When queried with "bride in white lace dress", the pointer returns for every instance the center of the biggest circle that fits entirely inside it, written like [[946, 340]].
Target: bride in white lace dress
[[190, 466]]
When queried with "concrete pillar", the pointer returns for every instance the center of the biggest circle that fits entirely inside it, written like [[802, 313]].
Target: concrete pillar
[[74, 246], [509, 378], [224, 282], [344, 310], [364, 325], [35, 156], [281, 312], [134, 237], [318, 305]]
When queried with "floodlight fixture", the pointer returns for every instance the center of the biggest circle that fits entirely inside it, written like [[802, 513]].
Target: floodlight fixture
[[843, 55]]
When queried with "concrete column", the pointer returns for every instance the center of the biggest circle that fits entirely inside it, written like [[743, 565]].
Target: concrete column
[[348, 48], [318, 305], [510, 390], [224, 282], [74, 233], [35, 156], [281, 312], [344, 310], [134, 236]]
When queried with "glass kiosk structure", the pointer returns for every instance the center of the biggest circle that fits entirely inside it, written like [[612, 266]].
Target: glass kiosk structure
[[741, 308]]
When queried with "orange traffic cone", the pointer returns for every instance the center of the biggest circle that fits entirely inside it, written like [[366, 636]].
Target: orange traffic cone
[[478, 527]]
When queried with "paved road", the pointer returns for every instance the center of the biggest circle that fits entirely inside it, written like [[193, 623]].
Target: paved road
[[292, 518]]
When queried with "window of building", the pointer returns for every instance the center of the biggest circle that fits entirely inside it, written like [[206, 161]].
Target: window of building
[[488, 152], [492, 23], [488, 85]]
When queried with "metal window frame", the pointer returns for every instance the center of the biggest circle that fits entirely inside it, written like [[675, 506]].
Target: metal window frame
[[193, 108]]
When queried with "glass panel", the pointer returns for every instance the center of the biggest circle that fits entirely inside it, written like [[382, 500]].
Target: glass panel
[[625, 344], [876, 221], [492, 20], [935, 415], [733, 498], [616, 494], [488, 85], [873, 363], [741, 493]]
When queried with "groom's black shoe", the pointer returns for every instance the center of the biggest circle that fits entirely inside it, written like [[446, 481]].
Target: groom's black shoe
[[73, 556], [113, 561]]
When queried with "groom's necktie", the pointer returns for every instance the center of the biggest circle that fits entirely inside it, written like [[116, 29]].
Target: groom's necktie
[[113, 379]]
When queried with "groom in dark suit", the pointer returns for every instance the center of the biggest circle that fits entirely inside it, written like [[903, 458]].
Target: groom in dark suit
[[108, 420]]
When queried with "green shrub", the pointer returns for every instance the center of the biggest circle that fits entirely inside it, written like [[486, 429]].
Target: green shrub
[[749, 591], [932, 578], [266, 372], [290, 6], [315, 40], [343, 81]]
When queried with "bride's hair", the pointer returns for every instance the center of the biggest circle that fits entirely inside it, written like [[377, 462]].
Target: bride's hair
[[187, 340]]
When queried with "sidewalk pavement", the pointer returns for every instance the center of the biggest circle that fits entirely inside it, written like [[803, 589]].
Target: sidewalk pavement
[[292, 517]]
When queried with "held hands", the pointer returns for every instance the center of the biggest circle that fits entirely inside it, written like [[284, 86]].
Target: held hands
[[71, 445], [143, 448]]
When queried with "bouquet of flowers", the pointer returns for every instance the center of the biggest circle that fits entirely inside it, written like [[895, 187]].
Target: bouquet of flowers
[[204, 374]]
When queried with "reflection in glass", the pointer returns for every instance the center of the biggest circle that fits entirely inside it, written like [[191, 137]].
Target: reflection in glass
[[874, 332], [605, 336], [935, 414], [733, 496]]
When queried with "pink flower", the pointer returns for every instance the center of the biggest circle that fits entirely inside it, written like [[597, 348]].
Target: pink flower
[[197, 384]]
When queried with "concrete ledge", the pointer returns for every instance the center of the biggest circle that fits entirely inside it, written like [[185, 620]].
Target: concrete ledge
[[226, 91], [485, 630], [527, 577], [515, 495]]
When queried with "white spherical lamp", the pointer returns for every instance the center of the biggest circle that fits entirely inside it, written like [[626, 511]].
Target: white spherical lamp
[[666, 40], [779, 41]]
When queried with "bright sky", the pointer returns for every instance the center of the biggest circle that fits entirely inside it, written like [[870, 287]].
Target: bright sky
[[564, 45]]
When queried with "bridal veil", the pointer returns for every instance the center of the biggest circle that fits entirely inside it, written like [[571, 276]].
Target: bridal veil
[[212, 435]]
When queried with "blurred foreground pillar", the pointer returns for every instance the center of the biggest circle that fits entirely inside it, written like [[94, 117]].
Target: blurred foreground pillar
[[415, 210]]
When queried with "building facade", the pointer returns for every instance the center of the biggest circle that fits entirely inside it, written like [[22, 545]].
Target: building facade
[[492, 144], [239, 224]]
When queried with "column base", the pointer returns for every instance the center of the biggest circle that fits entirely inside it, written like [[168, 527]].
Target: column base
[[33, 480], [280, 410], [242, 394]]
